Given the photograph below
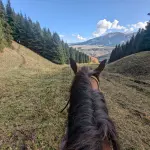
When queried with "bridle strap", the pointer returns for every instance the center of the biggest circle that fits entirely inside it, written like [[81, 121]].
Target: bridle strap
[[93, 77]]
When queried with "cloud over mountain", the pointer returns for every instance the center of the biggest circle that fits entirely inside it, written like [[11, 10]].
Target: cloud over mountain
[[104, 25]]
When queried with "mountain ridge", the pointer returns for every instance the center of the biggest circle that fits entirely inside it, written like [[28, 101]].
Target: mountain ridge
[[109, 39]]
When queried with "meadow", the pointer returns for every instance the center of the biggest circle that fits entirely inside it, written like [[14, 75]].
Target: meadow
[[33, 91]]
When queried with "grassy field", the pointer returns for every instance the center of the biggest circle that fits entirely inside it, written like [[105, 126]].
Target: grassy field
[[34, 90]]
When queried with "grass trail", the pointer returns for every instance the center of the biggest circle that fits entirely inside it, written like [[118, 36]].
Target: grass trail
[[32, 95]]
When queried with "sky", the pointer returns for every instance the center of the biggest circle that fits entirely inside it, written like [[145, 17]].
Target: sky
[[80, 20]]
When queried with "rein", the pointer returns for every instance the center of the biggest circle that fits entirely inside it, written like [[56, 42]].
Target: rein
[[93, 77]]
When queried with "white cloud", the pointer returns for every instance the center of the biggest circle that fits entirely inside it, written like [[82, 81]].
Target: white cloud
[[116, 26], [104, 26], [79, 37], [128, 30], [141, 25], [61, 35], [135, 27]]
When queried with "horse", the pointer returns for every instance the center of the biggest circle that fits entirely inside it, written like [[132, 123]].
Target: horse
[[89, 126]]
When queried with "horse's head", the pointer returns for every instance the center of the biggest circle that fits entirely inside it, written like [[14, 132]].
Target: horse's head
[[89, 126], [93, 74]]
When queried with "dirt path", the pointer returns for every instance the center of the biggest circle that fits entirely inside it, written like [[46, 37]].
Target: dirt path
[[22, 57]]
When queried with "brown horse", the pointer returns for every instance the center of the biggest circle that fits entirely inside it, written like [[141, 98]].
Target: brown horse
[[89, 125]]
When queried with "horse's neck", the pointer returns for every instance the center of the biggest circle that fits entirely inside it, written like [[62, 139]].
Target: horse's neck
[[106, 145]]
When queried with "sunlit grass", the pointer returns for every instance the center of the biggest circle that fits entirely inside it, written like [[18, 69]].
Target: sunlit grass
[[33, 91]]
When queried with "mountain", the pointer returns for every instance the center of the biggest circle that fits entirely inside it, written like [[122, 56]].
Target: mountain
[[110, 39]]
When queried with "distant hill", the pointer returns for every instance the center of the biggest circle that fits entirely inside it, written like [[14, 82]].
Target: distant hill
[[110, 39], [107, 56], [94, 50]]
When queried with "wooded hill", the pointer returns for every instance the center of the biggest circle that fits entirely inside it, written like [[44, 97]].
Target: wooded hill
[[138, 43], [20, 28]]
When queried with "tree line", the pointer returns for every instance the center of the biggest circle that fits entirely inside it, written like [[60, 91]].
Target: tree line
[[5, 29], [138, 43], [24, 31]]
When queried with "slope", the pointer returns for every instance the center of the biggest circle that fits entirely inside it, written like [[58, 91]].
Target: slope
[[136, 65], [34, 90], [20, 56]]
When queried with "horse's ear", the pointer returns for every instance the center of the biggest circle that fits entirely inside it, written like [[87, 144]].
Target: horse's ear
[[73, 65], [101, 67]]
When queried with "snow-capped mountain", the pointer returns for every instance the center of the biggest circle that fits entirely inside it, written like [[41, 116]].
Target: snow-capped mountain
[[110, 39]]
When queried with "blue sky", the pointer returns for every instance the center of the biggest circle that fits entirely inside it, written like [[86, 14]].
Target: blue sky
[[79, 20]]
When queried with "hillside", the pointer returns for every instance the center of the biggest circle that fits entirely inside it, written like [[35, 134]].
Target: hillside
[[19, 56], [110, 39], [135, 65], [34, 90], [138, 43], [30, 99]]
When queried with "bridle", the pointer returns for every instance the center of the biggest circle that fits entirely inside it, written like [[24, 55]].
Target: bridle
[[92, 77]]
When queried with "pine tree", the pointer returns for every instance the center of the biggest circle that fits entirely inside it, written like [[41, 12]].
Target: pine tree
[[31, 35], [2, 10], [80, 57], [46, 43], [10, 16], [67, 53], [2, 39], [77, 56], [57, 53], [19, 29], [72, 53], [5, 28], [145, 44]]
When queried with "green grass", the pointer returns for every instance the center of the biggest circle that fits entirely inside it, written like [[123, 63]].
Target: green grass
[[136, 65], [34, 90]]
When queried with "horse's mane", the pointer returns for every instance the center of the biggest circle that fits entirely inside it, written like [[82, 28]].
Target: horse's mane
[[88, 121]]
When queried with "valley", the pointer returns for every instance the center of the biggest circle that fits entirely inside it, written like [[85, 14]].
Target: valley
[[94, 50], [33, 91], [44, 44], [102, 45]]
